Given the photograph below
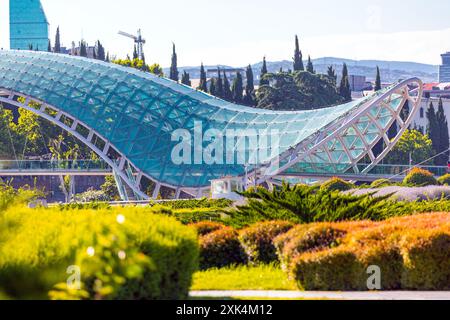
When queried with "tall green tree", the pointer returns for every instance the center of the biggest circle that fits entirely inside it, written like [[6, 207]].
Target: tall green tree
[[186, 79], [262, 81], [310, 66], [57, 48], [219, 85], [413, 143], [213, 87], [83, 49], [174, 66], [344, 88], [227, 95], [99, 51], [378, 80], [443, 142], [298, 57], [203, 86], [433, 129], [332, 74], [249, 98], [237, 89], [49, 48], [135, 53]]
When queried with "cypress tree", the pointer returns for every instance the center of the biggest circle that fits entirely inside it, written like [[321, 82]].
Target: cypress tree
[[83, 49], [249, 88], [203, 86], [227, 95], [237, 89], [262, 81], [99, 51], [433, 127], [332, 74], [135, 53], [444, 143], [344, 88], [378, 80], [212, 87], [310, 66], [107, 57], [219, 85], [174, 66], [57, 48], [49, 48], [298, 57], [186, 79]]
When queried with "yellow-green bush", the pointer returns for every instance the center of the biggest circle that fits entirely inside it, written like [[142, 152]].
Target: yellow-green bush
[[420, 177], [204, 228], [122, 253], [444, 180], [336, 184], [257, 240], [427, 259]]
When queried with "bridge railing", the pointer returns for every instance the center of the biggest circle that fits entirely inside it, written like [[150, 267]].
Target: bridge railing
[[53, 165], [345, 169]]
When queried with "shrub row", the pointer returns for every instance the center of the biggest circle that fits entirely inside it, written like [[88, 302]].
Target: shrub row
[[413, 253], [122, 253]]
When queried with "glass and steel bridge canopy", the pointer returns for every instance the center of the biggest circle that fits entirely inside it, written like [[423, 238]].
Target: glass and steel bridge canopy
[[136, 113]]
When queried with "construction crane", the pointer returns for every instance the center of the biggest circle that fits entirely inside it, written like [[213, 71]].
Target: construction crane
[[138, 40]]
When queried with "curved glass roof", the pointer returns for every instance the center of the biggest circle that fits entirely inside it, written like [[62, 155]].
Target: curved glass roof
[[138, 112]]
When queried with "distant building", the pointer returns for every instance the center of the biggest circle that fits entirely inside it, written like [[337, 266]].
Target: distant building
[[444, 69], [357, 83], [28, 25]]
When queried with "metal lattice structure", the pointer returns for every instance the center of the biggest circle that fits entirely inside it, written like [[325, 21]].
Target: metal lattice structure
[[133, 114]]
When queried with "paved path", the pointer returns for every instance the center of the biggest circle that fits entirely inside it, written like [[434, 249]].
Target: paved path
[[382, 295]]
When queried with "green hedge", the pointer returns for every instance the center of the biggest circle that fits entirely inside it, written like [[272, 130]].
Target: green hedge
[[336, 184], [123, 253], [220, 249], [419, 177], [257, 240]]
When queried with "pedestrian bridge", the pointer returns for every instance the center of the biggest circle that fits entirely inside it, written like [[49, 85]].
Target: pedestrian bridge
[[129, 117]]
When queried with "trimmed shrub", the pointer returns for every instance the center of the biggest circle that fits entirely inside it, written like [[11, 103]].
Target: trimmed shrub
[[206, 227], [426, 255], [444, 180], [301, 240], [420, 177], [336, 184], [124, 253], [257, 240], [220, 249], [380, 183], [334, 269]]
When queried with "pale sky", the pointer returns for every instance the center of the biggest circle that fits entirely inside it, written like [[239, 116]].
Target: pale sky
[[239, 32]]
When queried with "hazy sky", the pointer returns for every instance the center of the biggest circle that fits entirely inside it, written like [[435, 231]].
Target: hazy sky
[[238, 32]]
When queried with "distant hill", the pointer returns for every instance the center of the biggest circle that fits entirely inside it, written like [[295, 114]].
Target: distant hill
[[391, 71]]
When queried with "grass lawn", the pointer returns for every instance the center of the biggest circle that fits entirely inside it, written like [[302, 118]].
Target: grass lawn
[[264, 277]]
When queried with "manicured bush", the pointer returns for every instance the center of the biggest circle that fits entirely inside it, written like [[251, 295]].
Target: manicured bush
[[336, 184], [196, 203], [92, 195], [123, 253], [220, 249], [301, 240], [444, 180], [380, 183], [206, 227], [420, 177], [426, 256], [257, 240], [334, 269]]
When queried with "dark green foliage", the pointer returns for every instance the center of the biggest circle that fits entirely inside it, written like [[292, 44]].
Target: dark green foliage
[[310, 66], [203, 81], [49, 48], [57, 48], [344, 88], [83, 49], [237, 89], [197, 203], [135, 53], [212, 87], [186, 79], [298, 57], [227, 94], [263, 81], [332, 74], [442, 144], [100, 51], [249, 98], [378, 80], [174, 66], [305, 204], [109, 188], [297, 91]]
